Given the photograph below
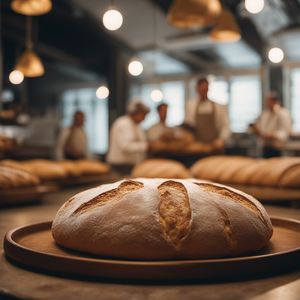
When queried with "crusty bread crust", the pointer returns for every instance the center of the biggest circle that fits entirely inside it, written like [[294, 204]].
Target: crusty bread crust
[[162, 219]]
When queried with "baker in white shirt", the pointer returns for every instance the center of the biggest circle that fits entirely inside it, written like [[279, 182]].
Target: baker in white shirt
[[208, 119], [273, 126], [158, 130], [128, 142], [72, 142]]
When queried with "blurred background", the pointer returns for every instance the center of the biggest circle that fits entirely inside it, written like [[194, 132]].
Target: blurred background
[[82, 61]]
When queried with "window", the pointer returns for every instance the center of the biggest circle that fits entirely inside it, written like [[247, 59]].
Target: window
[[245, 102], [295, 99], [173, 94], [96, 116]]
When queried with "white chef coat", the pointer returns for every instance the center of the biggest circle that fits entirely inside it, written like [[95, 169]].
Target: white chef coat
[[207, 107], [277, 123], [128, 143], [156, 131], [78, 142]]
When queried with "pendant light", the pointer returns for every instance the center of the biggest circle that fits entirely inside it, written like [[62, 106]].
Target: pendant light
[[135, 67], [16, 77], [193, 13], [112, 18], [226, 29], [31, 7], [254, 6], [29, 63], [102, 92], [276, 55]]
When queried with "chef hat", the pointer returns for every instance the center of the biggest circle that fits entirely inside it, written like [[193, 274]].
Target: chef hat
[[135, 106]]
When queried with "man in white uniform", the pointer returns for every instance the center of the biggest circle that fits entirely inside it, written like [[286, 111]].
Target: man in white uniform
[[156, 131], [72, 142], [208, 119], [273, 126], [128, 142]]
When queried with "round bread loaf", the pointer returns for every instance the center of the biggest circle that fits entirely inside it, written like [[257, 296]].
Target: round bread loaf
[[159, 219]]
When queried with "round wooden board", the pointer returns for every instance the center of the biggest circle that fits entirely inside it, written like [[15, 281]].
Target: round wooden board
[[34, 247], [25, 195]]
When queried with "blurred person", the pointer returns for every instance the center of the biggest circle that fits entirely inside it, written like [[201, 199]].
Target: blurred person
[[128, 142], [72, 142], [208, 120], [158, 130], [273, 126]]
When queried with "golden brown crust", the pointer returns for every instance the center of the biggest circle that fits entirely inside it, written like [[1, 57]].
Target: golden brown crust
[[152, 219]]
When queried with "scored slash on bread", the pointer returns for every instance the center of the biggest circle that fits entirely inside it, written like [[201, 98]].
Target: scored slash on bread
[[156, 219]]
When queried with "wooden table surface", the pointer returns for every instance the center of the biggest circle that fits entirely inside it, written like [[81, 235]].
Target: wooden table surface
[[18, 283]]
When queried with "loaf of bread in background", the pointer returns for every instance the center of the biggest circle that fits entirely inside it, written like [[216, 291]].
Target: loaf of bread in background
[[70, 167], [92, 167], [11, 178], [272, 172], [160, 168], [162, 219], [46, 170]]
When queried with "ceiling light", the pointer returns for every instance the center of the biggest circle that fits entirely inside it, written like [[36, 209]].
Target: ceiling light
[[102, 92], [193, 13], [31, 7], [226, 28], [112, 19], [30, 64], [135, 68], [156, 95], [276, 55], [254, 6], [16, 77]]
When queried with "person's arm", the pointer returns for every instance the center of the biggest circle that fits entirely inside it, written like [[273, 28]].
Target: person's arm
[[285, 125], [126, 141], [60, 144]]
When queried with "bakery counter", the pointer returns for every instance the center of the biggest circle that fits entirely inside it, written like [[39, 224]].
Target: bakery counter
[[18, 283]]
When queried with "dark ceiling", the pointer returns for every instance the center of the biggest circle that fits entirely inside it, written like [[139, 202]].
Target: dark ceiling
[[249, 29]]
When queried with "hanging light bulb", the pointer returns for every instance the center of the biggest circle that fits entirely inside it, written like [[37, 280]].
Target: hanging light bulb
[[102, 92], [16, 77], [276, 55], [135, 68], [193, 13], [254, 6], [31, 7], [29, 63], [226, 28], [156, 95], [112, 19]]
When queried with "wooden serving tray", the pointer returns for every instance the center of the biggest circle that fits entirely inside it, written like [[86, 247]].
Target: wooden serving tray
[[34, 247], [264, 193], [25, 195]]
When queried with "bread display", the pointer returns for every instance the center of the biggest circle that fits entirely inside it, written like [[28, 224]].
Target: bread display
[[48, 170], [92, 167], [70, 168], [272, 172], [162, 219], [160, 168], [11, 178]]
